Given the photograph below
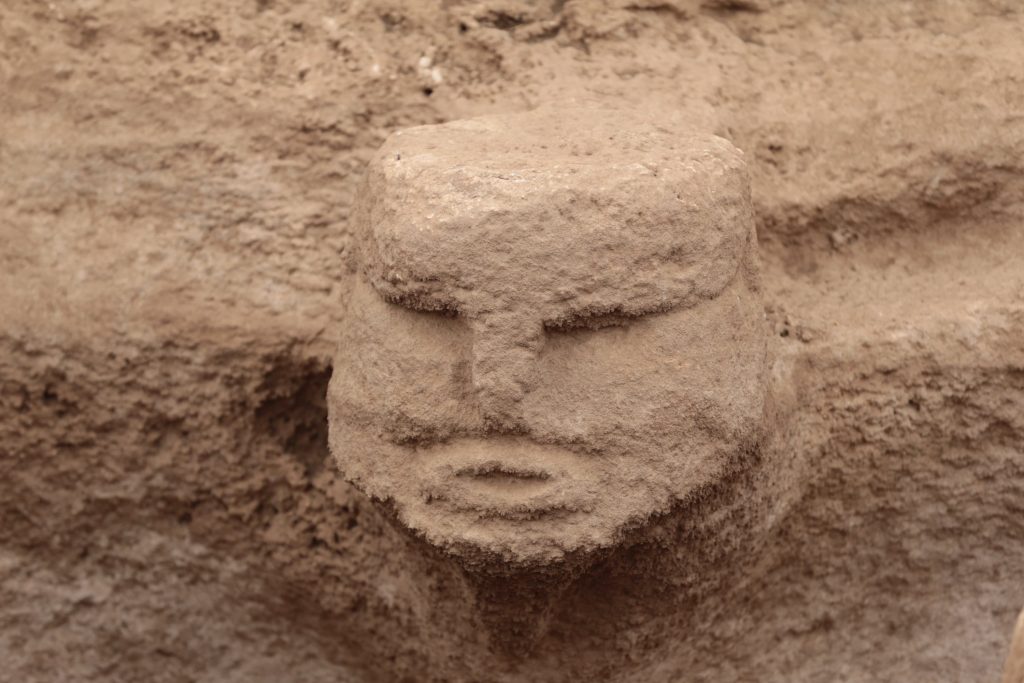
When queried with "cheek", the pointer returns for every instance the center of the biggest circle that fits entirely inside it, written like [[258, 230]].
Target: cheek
[[401, 372], [667, 382]]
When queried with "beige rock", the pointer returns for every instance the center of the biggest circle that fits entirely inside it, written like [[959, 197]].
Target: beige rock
[[176, 204], [557, 330]]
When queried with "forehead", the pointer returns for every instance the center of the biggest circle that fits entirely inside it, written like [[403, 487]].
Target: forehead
[[553, 213]]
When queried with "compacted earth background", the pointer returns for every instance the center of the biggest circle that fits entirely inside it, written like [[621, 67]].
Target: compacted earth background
[[176, 178]]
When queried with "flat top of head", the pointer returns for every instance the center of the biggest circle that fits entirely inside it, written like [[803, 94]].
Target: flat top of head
[[553, 212], [550, 137]]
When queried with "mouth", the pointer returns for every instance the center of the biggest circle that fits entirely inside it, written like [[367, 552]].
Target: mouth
[[498, 474], [505, 477]]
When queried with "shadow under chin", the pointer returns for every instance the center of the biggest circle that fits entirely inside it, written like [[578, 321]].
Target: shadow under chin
[[656, 568]]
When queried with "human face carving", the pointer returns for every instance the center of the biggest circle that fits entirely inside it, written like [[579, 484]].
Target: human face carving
[[618, 421], [533, 360]]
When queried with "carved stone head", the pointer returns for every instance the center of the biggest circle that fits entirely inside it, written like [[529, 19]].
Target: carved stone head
[[555, 331]]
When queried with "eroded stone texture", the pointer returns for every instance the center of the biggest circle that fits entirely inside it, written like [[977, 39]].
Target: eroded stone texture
[[557, 328], [175, 189]]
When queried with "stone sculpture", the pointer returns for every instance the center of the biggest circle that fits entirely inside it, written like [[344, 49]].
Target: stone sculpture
[[556, 331]]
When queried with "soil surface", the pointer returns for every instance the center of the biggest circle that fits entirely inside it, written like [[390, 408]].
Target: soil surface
[[176, 181]]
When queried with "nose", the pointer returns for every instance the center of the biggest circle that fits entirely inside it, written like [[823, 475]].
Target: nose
[[505, 348]]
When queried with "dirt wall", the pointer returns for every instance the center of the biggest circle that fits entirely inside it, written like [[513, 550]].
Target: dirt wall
[[175, 187]]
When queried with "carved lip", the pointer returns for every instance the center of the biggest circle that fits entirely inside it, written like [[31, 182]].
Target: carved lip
[[495, 472], [504, 476]]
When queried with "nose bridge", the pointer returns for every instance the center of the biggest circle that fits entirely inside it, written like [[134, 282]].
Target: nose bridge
[[505, 348]]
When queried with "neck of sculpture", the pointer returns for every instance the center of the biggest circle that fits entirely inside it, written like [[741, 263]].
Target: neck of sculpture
[[662, 570]]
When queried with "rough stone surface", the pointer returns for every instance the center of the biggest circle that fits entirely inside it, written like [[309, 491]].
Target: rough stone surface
[[176, 192], [601, 352]]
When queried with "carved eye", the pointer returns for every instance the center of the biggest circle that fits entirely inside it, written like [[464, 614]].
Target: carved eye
[[423, 304], [438, 311], [590, 321]]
